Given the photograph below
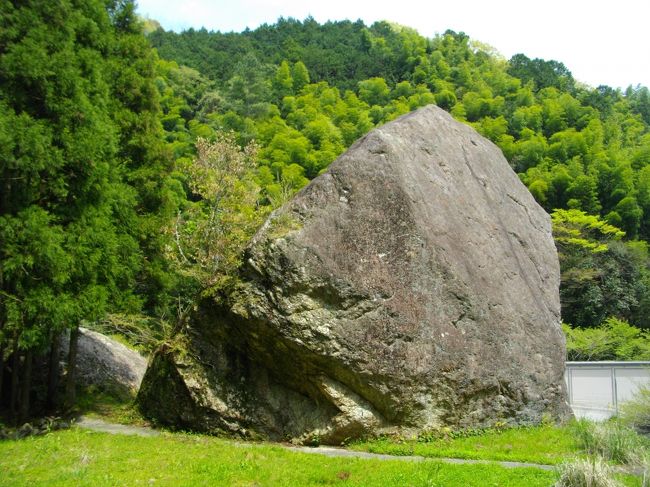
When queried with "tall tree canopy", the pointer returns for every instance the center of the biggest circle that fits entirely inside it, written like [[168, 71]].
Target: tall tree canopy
[[81, 166]]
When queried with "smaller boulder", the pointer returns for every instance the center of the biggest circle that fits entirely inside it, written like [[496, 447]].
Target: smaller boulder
[[107, 364]]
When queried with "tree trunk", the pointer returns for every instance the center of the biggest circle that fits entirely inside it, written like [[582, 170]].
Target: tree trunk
[[13, 395], [71, 378], [2, 374], [25, 387], [53, 373]]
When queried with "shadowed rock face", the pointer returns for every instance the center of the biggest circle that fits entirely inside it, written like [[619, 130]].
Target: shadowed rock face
[[413, 285]]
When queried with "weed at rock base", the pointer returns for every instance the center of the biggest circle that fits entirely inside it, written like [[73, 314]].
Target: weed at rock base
[[585, 473]]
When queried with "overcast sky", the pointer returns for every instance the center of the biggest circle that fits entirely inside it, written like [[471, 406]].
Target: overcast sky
[[601, 42]]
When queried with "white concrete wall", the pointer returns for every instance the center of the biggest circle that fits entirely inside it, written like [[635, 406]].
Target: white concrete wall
[[597, 389]]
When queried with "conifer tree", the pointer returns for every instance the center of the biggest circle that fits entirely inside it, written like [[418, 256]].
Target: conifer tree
[[79, 172]]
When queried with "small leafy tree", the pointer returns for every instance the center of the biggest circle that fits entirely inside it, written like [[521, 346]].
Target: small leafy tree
[[209, 236], [613, 340], [300, 76], [575, 230], [601, 275]]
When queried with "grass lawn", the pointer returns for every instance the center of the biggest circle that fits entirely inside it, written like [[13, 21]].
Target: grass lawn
[[77, 457], [548, 445]]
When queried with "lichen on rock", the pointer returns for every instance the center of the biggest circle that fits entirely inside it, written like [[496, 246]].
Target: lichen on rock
[[414, 285]]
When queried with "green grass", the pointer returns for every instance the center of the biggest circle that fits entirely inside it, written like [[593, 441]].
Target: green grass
[[77, 457], [548, 445]]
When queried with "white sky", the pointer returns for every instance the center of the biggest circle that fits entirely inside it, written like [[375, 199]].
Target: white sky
[[599, 41]]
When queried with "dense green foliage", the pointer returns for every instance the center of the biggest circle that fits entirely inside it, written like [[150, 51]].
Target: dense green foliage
[[60, 174], [83, 173], [613, 340], [306, 91], [602, 276]]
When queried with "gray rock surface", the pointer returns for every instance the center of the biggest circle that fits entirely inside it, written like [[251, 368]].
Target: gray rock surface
[[414, 285], [106, 363]]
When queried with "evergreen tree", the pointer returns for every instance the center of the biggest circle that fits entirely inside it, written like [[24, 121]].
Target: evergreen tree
[[77, 158]]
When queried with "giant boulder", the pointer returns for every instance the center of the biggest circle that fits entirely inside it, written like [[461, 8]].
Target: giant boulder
[[413, 285]]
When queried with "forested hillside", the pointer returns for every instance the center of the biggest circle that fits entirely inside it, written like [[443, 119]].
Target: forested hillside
[[306, 91], [124, 195]]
